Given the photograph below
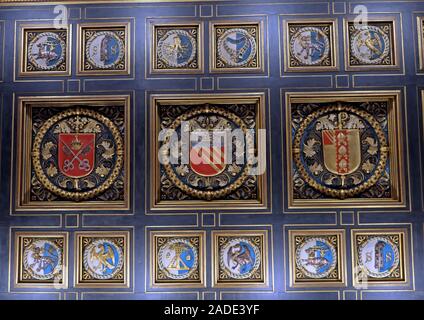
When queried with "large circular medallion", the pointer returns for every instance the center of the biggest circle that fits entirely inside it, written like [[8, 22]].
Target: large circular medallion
[[177, 48], [43, 260], [209, 174], [316, 257], [178, 258], [78, 154], [340, 151], [310, 46], [103, 259], [240, 258], [370, 45], [236, 47], [46, 51], [105, 49], [379, 256]]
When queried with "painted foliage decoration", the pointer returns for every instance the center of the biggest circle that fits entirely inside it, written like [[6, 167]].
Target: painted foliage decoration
[[211, 173], [178, 259], [310, 46], [237, 47], [102, 259], [77, 154], [371, 44], [380, 256], [45, 51], [340, 150], [176, 48], [41, 260], [240, 258]]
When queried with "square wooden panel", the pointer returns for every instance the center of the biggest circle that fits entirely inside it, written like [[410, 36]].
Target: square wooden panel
[[177, 48], [344, 149], [380, 257], [236, 47], [371, 45], [41, 260], [102, 259], [190, 182], [317, 258], [73, 153], [44, 51], [310, 45], [103, 48], [177, 259], [240, 258]]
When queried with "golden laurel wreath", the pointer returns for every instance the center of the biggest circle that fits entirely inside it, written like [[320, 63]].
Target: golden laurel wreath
[[341, 193], [209, 195], [36, 155]]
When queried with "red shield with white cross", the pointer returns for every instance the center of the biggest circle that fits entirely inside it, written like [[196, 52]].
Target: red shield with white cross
[[206, 159], [76, 154], [342, 150]]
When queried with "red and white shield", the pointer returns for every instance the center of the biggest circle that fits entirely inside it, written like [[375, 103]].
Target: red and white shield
[[206, 159], [76, 154], [342, 150]]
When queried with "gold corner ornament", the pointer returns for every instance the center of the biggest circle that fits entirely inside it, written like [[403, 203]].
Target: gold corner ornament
[[339, 161], [78, 154]]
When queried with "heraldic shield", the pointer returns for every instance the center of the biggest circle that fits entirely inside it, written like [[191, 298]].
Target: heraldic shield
[[341, 151], [76, 154], [207, 159]]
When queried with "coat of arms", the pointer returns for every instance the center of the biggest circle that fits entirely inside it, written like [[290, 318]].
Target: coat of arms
[[341, 151], [78, 154]]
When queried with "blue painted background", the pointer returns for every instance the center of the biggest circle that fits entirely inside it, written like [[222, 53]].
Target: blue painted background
[[140, 84]]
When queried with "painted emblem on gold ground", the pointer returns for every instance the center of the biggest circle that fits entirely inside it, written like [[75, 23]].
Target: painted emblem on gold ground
[[340, 150]]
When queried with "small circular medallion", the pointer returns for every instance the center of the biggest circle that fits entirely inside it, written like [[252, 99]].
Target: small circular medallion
[[78, 154], [177, 48], [236, 47], [240, 258], [178, 258], [103, 259], [105, 49], [46, 51], [370, 45], [43, 260], [379, 256], [316, 257], [310, 46]]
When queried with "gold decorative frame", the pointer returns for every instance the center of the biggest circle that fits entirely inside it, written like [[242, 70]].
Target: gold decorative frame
[[332, 23], [403, 278], [199, 43], [22, 54], [395, 129], [19, 250], [262, 281], [340, 280], [420, 33], [213, 47], [190, 99], [80, 55], [183, 283], [79, 280], [24, 152], [394, 48]]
